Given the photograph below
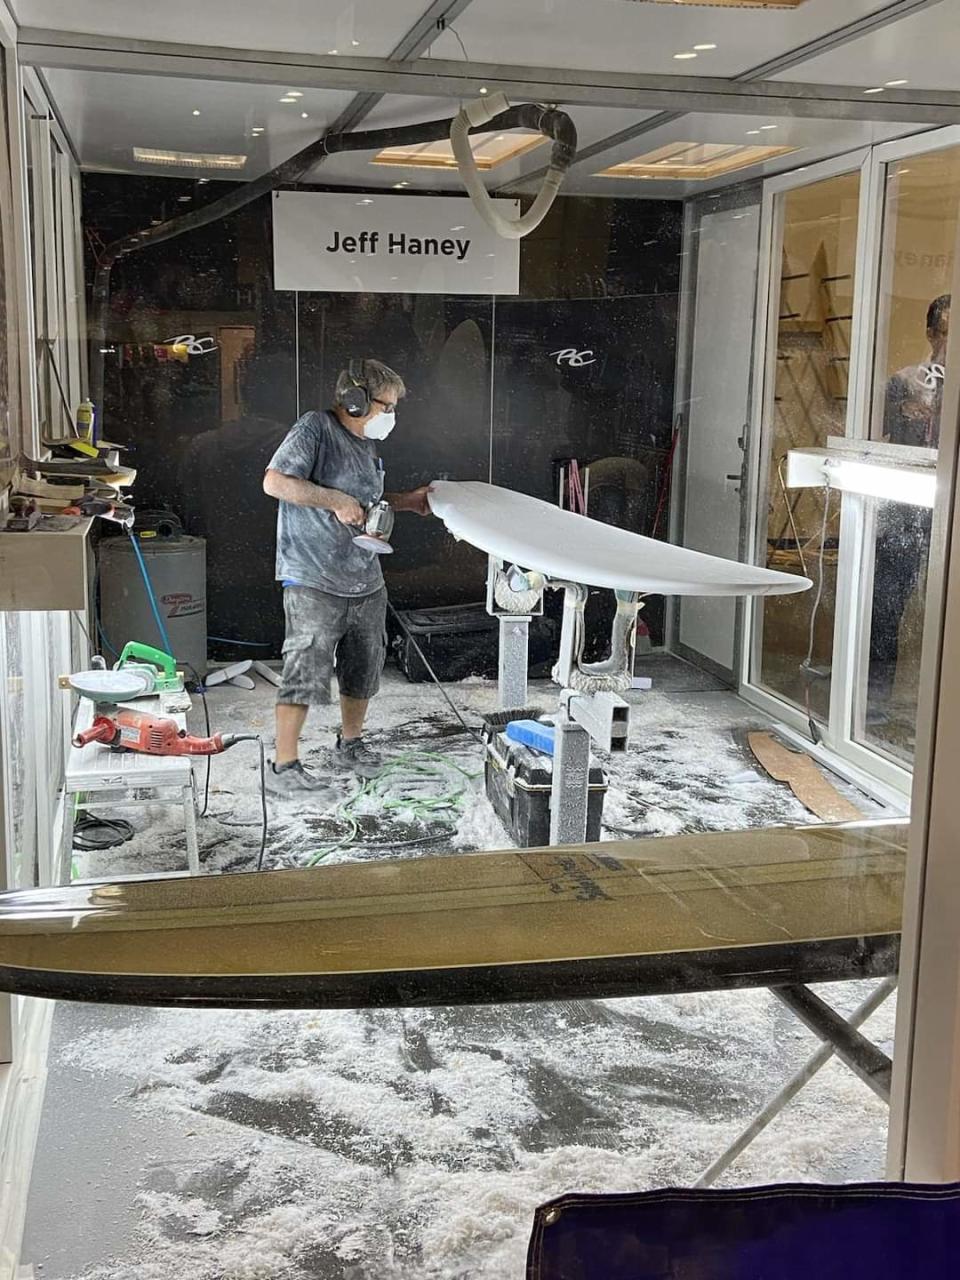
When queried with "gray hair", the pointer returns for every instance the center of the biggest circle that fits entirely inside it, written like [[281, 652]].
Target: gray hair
[[378, 378]]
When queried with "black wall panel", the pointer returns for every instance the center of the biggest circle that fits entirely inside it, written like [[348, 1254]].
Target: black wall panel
[[489, 398]]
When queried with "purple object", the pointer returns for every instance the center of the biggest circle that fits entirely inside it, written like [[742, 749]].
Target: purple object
[[867, 1231]]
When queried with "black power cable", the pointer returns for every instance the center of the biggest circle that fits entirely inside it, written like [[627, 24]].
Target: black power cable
[[202, 691], [114, 831], [436, 679]]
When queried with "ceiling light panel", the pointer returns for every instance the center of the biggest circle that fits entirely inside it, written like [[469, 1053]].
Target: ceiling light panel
[[693, 161], [187, 159], [489, 150], [734, 4]]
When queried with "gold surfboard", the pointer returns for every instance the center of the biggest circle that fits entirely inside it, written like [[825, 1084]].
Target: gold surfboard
[[638, 917]]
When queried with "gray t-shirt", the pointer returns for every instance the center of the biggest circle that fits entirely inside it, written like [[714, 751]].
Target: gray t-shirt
[[313, 548]]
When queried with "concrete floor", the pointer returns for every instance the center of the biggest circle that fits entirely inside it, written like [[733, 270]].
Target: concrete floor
[[222, 1145]]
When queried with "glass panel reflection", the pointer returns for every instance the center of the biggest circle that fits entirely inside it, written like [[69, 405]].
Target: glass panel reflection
[[809, 403], [921, 208]]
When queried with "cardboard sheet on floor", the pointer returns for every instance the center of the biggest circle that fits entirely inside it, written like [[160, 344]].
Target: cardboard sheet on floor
[[804, 778], [635, 917]]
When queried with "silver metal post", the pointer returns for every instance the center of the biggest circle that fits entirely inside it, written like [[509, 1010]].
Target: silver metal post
[[514, 644], [793, 1086], [570, 789]]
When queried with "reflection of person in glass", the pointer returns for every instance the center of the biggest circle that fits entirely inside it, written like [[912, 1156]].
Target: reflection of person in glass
[[914, 395], [911, 416]]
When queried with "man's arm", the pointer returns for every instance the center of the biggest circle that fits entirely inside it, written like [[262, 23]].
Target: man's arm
[[413, 500], [304, 493]]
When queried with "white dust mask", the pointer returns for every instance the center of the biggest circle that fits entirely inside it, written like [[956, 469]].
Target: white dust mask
[[380, 426]]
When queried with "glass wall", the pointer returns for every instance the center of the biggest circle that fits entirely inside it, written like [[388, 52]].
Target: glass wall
[[53, 193], [921, 206], [806, 402]]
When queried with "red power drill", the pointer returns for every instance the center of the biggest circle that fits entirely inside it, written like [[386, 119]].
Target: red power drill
[[153, 735]]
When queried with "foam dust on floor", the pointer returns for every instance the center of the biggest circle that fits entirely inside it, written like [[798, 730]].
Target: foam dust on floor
[[373, 1145]]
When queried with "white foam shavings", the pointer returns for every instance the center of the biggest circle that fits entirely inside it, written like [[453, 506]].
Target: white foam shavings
[[416, 1143]]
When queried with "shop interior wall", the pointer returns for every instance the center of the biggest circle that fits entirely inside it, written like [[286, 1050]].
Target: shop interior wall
[[488, 399]]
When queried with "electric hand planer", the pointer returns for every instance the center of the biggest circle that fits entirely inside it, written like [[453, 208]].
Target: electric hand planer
[[125, 730]]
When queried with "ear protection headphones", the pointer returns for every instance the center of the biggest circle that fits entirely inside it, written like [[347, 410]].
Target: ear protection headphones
[[356, 398]]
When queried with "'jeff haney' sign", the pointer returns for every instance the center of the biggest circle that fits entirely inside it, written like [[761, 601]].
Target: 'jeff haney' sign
[[328, 242]]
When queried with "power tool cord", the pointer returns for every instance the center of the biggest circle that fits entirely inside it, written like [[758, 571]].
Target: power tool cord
[[202, 691], [253, 737], [436, 679], [806, 666], [151, 595], [422, 764]]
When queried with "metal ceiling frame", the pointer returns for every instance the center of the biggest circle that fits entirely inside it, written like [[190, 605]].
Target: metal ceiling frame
[[433, 77], [855, 30], [437, 17]]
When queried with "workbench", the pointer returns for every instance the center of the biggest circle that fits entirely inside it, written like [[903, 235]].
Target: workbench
[[98, 778]]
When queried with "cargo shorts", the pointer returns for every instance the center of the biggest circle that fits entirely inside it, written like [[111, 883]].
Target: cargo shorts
[[324, 631]]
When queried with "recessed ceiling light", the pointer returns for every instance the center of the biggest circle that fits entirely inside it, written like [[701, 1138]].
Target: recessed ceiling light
[[294, 93], [489, 150], [196, 112], [753, 132], [682, 57], [188, 159], [461, 228], [287, 98], [257, 129], [304, 115], [201, 181], [401, 184], [769, 126], [184, 199], [694, 160], [738, 4], [365, 201], [873, 90], [702, 48], [331, 52], [895, 84], [355, 43]]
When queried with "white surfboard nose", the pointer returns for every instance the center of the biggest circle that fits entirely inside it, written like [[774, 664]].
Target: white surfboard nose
[[562, 544]]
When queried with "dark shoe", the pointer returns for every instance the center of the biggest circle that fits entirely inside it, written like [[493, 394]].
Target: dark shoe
[[292, 780], [354, 754]]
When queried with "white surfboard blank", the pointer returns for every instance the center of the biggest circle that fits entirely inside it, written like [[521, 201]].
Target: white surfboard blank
[[561, 544]]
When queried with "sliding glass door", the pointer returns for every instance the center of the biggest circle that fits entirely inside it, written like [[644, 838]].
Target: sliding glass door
[[921, 205], [856, 311]]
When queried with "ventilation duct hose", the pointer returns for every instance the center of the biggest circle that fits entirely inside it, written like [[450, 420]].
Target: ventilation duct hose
[[553, 124], [482, 112]]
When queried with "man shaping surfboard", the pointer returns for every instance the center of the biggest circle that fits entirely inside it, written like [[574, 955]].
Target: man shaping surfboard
[[327, 474]]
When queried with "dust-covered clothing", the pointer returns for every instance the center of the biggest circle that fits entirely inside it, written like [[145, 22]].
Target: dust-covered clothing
[[323, 630], [313, 548]]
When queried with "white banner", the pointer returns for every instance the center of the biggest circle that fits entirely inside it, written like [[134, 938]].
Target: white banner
[[347, 243]]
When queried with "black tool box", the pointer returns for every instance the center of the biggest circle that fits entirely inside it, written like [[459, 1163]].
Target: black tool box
[[463, 640], [518, 781]]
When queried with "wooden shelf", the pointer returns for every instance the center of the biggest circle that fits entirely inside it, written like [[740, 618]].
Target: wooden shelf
[[43, 570]]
